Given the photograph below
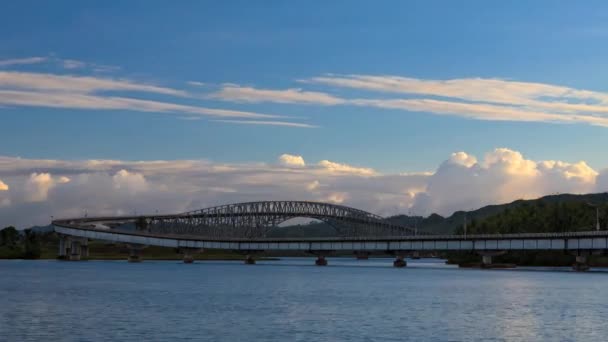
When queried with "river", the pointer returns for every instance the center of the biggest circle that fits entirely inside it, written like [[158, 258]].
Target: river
[[292, 300]]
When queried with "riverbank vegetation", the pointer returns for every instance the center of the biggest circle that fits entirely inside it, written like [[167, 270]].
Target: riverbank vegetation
[[19, 245]]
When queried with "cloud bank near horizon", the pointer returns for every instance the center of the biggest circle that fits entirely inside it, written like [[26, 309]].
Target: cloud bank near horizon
[[33, 190]]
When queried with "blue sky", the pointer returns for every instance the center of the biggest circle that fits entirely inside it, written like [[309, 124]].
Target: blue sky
[[272, 45], [389, 106]]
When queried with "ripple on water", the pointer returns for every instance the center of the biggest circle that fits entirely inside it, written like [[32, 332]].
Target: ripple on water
[[289, 299]]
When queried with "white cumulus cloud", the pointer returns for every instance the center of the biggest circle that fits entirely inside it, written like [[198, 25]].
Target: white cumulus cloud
[[63, 180], [345, 168], [132, 182], [312, 186], [3, 186], [40, 188], [336, 197], [503, 176], [291, 160]]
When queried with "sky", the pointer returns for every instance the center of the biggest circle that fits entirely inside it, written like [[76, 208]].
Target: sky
[[392, 106]]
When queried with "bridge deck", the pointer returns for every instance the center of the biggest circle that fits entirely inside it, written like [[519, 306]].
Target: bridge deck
[[592, 240]]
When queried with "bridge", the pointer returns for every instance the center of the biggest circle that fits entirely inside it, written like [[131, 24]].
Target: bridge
[[244, 228]]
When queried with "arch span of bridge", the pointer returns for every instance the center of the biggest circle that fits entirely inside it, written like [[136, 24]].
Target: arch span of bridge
[[255, 219], [251, 220]]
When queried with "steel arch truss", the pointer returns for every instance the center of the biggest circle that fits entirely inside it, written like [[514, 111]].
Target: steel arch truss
[[255, 219]]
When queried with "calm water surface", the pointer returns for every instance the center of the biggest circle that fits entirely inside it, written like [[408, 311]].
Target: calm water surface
[[291, 300]]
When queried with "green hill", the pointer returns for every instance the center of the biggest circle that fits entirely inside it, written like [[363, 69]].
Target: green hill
[[554, 213]]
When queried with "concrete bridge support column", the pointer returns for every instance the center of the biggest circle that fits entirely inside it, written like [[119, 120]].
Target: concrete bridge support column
[[321, 261], [362, 255], [135, 252], [249, 260], [400, 260], [321, 255], [75, 252], [73, 248], [189, 253], [64, 243], [486, 259], [249, 256], [84, 248], [581, 263]]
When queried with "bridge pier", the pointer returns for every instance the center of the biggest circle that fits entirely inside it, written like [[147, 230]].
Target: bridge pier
[[249, 260], [63, 246], [249, 255], [486, 259], [135, 252], [321, 254], [75, 253], [321, 261], [362, 255], [399, 260], [188, 254], [84, 248], [73, 248], [581, 263]]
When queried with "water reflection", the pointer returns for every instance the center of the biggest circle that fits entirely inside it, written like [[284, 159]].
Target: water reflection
[[290, 299]]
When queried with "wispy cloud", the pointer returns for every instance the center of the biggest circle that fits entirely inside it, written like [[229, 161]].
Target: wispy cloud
[[474, 98], [78, 84], [35, 89], [481, 111], [238, 93], [195, 83], [268, 123], [95, 102], [87, 92], [479, 98], [105, 68], [469, 89], [21, 61], [73, 64]]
